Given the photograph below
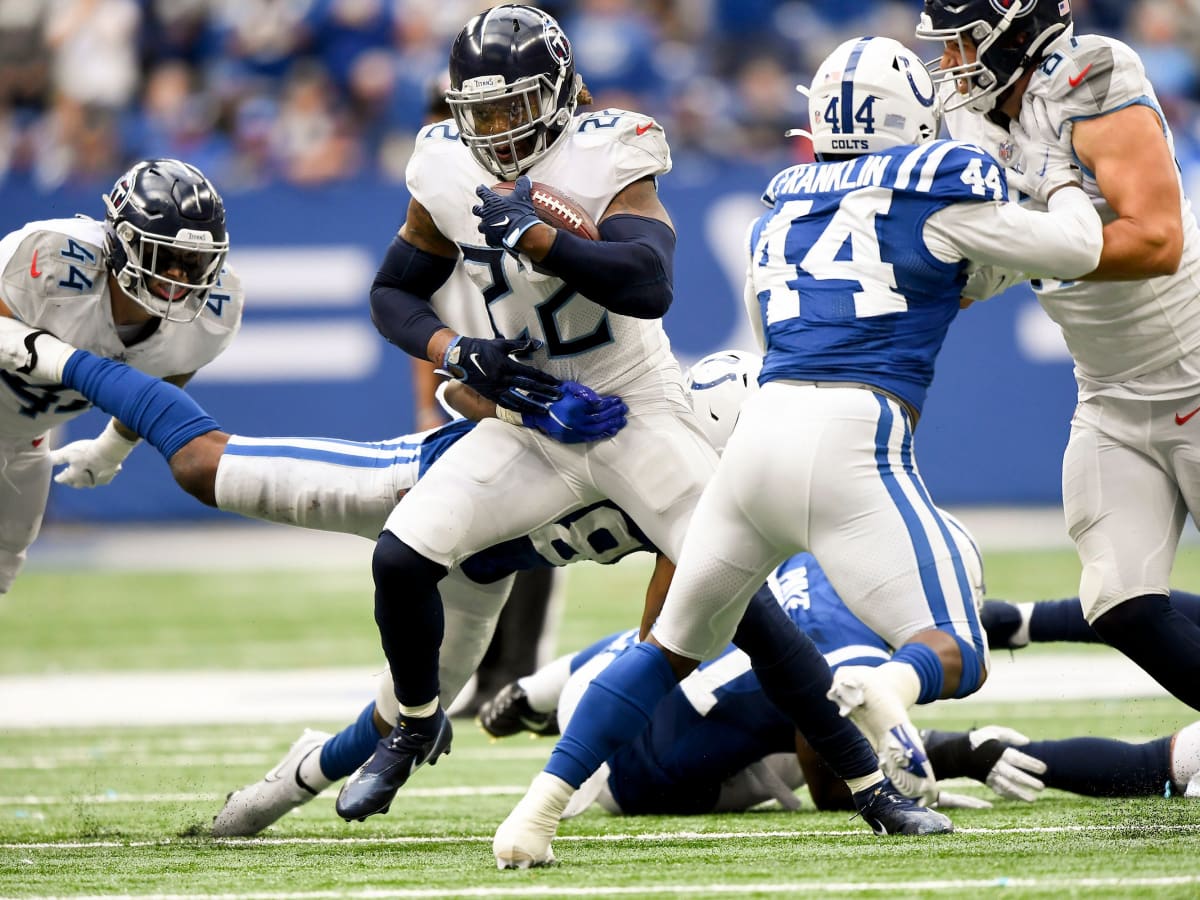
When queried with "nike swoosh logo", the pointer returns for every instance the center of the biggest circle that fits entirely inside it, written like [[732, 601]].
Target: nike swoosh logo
[[1182, 420], [500, 223], [1078, 79], [33, 269], [475, 360], [642, 129]]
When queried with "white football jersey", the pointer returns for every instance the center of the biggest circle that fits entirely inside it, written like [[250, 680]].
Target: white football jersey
[[53, 276], [601, 153], [1128, 338]]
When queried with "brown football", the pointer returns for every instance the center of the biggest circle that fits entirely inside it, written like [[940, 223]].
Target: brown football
[[557, 209]]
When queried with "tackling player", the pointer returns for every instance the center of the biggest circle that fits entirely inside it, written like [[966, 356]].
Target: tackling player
[[1015, 77], [149, 285], [855, 274]]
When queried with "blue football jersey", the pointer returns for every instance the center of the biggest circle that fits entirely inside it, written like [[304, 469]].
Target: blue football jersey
[[847, 288]]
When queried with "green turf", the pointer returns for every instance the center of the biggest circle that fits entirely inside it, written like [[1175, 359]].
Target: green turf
[[123, 811]]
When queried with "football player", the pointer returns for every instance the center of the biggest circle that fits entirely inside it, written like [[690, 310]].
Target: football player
[[350, 487], [149, 285], [1015, 76], [564, 307], [855, 273]]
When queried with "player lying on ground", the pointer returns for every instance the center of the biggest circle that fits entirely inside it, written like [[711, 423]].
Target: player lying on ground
[[355, 486], [716, 744]]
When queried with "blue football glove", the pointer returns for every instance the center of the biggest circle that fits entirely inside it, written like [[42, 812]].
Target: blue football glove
[[491, 368], [502, 220], [580, 416]]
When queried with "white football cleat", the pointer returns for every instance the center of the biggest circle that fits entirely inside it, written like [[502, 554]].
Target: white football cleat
[[251, 809], [879, 713], [32, 351], [523, 839]]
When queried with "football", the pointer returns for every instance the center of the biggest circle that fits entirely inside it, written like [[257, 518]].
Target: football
[[557, 209]]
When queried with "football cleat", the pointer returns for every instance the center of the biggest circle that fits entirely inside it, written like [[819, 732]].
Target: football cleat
[[1006, 624], [32, 351], [523, 839], [861, 693], [412, 743], [251, 809], [888, 811], [509, 713]]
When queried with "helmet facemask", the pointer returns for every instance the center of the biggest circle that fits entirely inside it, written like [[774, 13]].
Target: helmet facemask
[[992, 55], [481, 106], [170, 277]]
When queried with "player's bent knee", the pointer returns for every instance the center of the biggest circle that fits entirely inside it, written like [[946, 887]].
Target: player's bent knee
[[397, 564]]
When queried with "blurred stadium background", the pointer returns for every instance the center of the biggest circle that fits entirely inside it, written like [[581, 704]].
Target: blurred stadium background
[[303, 111]]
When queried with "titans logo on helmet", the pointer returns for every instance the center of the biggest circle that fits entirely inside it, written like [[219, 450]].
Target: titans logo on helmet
[[556, 42]]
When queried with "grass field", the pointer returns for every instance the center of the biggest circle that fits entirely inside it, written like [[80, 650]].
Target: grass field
[[107, 811]]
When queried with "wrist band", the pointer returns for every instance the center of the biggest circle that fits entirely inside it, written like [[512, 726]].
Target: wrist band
[[512, 417]]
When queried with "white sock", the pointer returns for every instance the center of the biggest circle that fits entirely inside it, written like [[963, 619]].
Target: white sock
[[903, 681], [421, 712], [310, 771], [1021, 636], [543, 687]]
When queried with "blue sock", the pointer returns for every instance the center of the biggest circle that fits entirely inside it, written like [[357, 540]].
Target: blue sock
[[1060, 620], [1099, 767], [615, 709], [350, 747], [924, 660], [160, 412]]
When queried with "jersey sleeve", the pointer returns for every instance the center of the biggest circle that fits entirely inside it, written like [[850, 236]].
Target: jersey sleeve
[[626, 146], [1092, 77], [427, 168], [219, 321]]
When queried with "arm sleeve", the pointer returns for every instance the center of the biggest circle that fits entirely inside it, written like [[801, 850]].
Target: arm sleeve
[[628, 271], [1063, 242], [400, 296]]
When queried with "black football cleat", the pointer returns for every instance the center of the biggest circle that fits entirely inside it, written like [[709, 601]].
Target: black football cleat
[[509, 713], [412, 743], [888, 811]]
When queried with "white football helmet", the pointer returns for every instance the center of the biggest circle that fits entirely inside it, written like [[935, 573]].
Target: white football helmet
[[870, 94], [719, 385]]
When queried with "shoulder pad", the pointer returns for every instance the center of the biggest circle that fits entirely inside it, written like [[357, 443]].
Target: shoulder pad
[[638, 143], [49, 266], [1088, 77], [953, 170]]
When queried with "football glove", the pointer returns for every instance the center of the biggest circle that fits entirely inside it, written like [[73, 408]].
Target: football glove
[[1012, 774], [1047, 158], [581, 416], [491, 367], [503, 219], [91, 463]]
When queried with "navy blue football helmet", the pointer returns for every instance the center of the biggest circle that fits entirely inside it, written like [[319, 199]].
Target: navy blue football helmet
[[1003, 37], [165, 237], [513, 87]]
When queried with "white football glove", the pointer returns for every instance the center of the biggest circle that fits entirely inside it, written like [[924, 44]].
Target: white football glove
[[903, 759], [91, 463], [1046, 160], [1014, 774]]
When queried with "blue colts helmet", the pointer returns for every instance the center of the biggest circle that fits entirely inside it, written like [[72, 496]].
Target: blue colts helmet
[[998, 41], [165, 237], [513, 87]]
